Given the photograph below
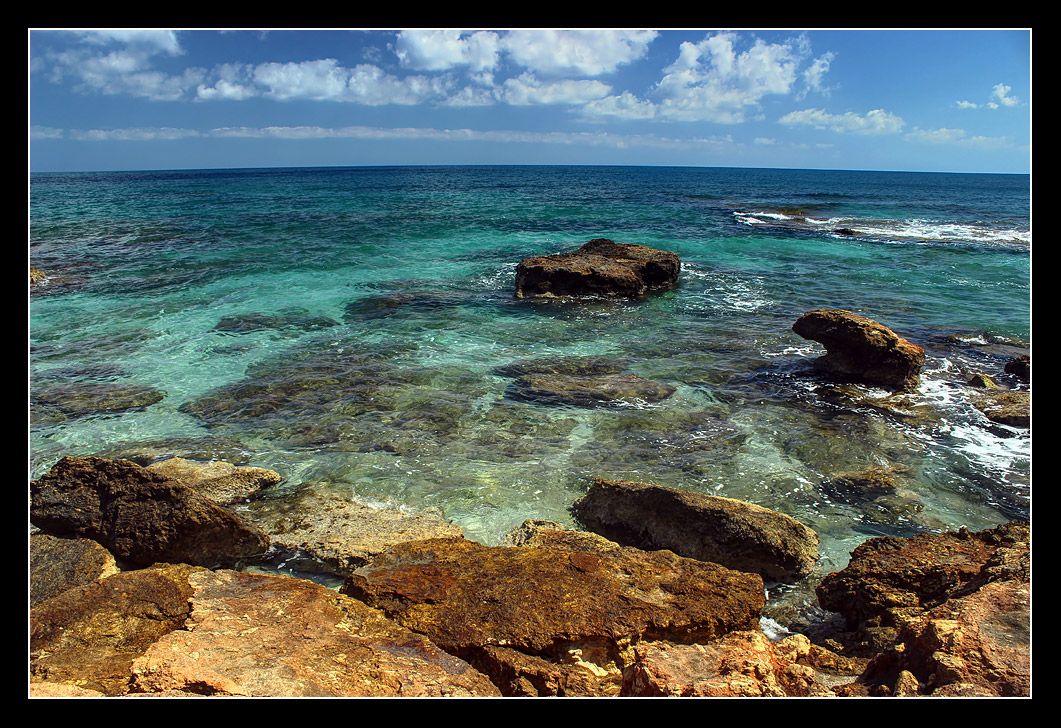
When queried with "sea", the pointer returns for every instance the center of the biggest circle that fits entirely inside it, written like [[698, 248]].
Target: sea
[[356, 328]]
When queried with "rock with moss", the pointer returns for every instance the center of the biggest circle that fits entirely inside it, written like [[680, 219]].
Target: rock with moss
[[602, 268]]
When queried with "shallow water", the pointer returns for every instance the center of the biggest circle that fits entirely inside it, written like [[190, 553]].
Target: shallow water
[[347, 325]]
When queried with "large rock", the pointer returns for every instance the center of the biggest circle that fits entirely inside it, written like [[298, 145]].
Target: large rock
[[589, 390], [555, 620], [88, 636], [861, 350], [1006, 407], [140, 516], [317, 529], [733, 533], [256, 635], [599, 268], [890, 580]]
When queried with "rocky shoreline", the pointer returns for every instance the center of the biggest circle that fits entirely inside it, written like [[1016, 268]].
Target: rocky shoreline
[[143, 586], [163, 578]]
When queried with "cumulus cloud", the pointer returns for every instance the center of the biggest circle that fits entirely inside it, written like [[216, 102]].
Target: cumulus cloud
[[999, 97], [713, 81], [527, 89], [587, 52], [441, 50], [876, 121]]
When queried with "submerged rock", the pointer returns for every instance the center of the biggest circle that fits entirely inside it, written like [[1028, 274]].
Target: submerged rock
[[219, 481], [601, 267], [589, 391], [733, 533], [140, 516], [862, 350], [56, 402]]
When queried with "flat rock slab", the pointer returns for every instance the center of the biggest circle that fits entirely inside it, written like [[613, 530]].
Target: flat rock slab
[[257, 635], [140, 516], [57, 564], [729, 532], [540, 601], [601, 267], [861, 350], [317, 529], [219, 481]]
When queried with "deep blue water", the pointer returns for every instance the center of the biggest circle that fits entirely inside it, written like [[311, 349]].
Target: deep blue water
[[346, 324]]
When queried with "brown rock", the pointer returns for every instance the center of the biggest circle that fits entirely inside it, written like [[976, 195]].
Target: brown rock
[[588, 390], [140, 516], [562, 605], [599, 268], [274, 636], [88, 636], [861, 350], [729, 532], [58, 564], [1005, 407], [1020, 366]]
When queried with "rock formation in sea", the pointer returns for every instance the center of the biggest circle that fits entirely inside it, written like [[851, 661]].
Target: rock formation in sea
[[861, 350], [601, 267], [733, 533]]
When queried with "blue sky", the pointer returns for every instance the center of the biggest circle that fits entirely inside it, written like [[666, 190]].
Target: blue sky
[[925, 100]]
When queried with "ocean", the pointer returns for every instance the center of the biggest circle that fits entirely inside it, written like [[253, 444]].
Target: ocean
[[352, 327]]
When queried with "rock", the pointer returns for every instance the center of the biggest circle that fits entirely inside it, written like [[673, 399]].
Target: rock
[[320, 530], [580, 366], [861, 350], [256, 635], [599, 268], [740, 664], [58, 564], [1020, 366], [573, 608], [88, 636], [729, 532], [890, 580], [219, 481], [293, 318], [982, 381], [589, 390], [1006, 407], [36, 276], [977, 645], [58, 402], [140, 516]]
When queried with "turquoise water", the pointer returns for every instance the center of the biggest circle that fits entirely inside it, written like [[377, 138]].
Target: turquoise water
[[345, 325]]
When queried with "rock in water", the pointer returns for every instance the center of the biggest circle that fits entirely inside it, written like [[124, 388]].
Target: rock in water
[[725, 531], [861, 350], [601, 267], [140, 516]]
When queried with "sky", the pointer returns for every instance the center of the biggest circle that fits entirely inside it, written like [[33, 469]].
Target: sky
[[956, 100]]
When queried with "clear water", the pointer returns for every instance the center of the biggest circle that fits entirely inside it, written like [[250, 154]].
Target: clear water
[[383, 304]]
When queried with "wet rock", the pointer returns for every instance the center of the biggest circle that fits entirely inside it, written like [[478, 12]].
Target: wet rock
[[291, 319], [255, 635], [58, 564], [320, 530], [580, 366], [138, 515], [733, 533], [36, 276], [566, 606], [863, 485], [740, 664], [219, 481], [861, 350], [88, 636], [1006, 407], [982, 381], [599, 268], [589, 390], [890, 580], [384, 305], [53, 402], [1020, 366]]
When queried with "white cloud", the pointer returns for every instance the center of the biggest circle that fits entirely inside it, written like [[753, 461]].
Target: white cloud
[[957, 137], [527, 90], [1001, 93], [149, 40], [814, 74], [623, 106], [876, 121], [440, 50], [712, 81], [586, 52], [134, 134], [326, 80]]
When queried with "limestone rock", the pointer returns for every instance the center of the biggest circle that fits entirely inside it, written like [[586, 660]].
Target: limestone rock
[[729, 532], [88, 636], [140, 516], [222, 482], [861, 350], [1006, 407], [257, 635], [320, 530], [601, 267], [563, 605], [58, 564]]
